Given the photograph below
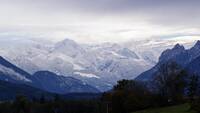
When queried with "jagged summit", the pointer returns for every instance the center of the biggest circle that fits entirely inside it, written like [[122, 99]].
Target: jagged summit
[[197, 45], [178, 46], [170, 53], [186, 58]]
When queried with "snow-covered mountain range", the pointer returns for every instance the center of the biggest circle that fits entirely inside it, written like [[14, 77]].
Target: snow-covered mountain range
[[99, 65]]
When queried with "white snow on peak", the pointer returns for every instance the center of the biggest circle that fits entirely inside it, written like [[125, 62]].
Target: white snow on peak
[[89, 75], [106, 62]]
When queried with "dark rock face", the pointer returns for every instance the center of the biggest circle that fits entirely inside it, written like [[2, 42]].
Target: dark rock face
[[187, 59]]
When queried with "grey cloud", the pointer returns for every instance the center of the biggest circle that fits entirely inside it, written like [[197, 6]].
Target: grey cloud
[[175, 35], [163, 12], [168, 13]]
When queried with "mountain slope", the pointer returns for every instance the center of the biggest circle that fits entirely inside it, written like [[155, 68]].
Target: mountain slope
[[194, 66], [44, 80], [10, 72], [8, 91], [188, 59], [59, 84]]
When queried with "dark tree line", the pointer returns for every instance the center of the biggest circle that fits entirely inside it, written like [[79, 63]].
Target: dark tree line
[[24, 105], [171, 85]]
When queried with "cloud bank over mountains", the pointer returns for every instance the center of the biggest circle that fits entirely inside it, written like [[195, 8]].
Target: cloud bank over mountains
[[99, 21]]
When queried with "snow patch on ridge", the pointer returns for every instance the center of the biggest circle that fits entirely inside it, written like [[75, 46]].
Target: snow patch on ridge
[[89, 75], [13, 74]]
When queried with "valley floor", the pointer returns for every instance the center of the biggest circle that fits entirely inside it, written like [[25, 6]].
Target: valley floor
[[184, 108]]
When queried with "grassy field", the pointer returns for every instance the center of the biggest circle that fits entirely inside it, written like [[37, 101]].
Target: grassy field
[[174, 109]]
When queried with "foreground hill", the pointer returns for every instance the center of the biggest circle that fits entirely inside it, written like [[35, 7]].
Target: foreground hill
[[9, 91], [60, 84]]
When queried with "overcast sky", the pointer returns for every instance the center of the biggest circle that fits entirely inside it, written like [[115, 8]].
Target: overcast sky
[[95, 21]]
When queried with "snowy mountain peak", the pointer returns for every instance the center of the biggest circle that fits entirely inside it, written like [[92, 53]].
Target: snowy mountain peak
[[66, 42], [128, 53], [69, 48]]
